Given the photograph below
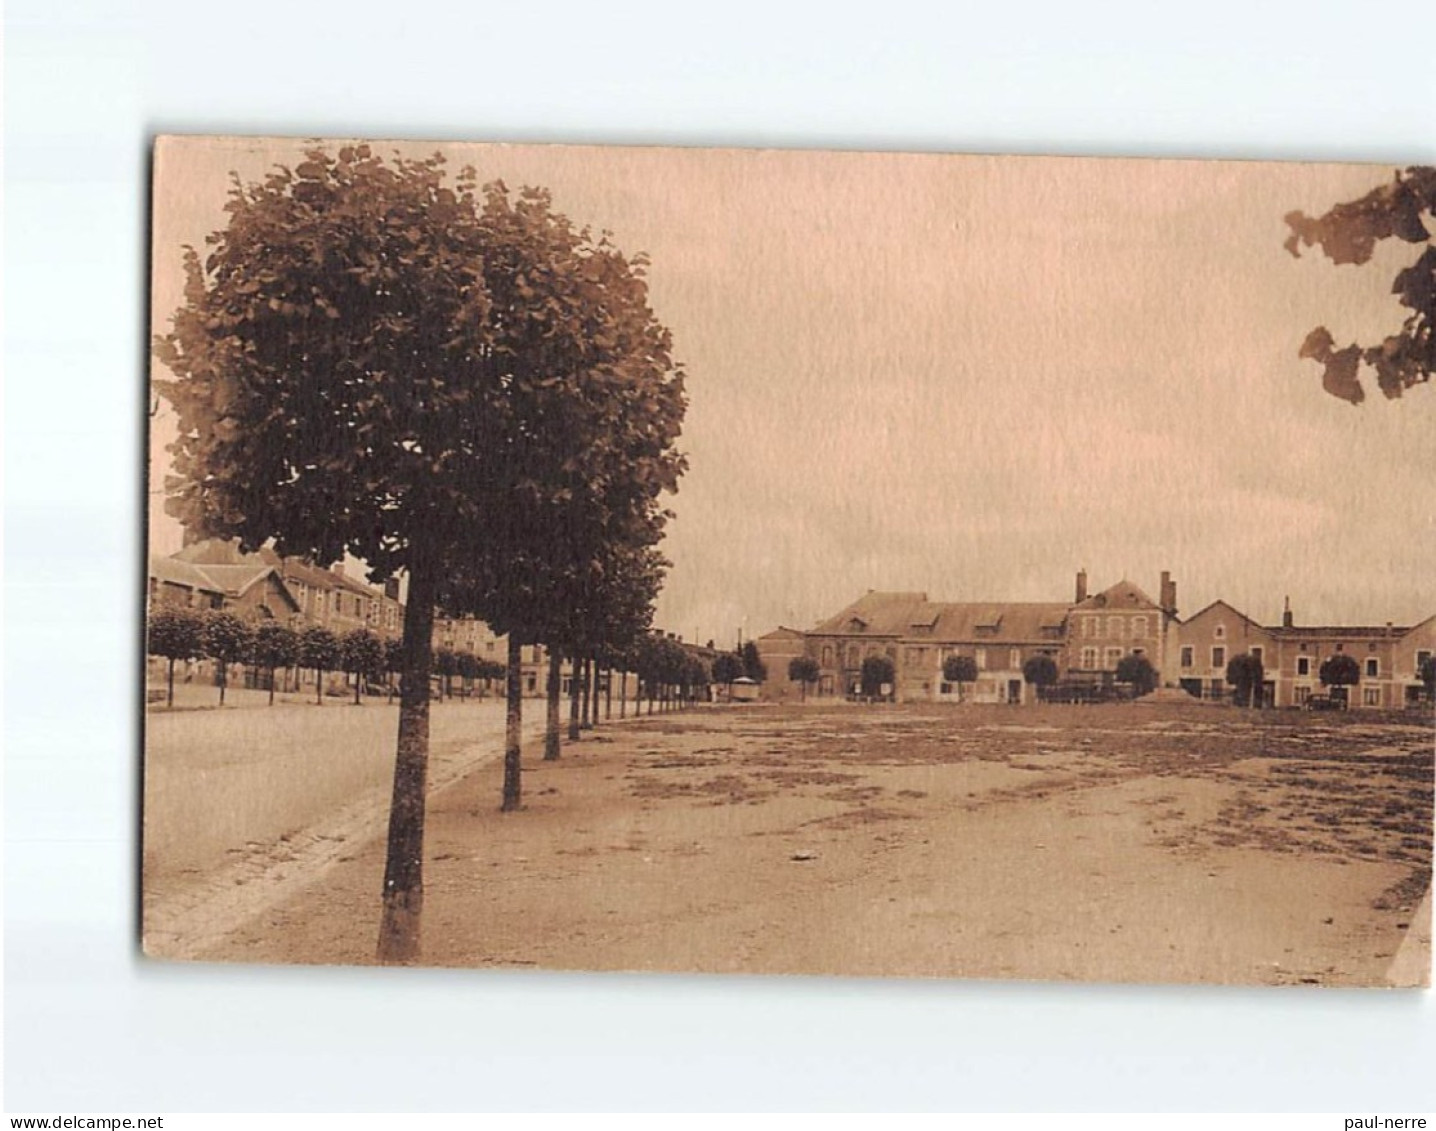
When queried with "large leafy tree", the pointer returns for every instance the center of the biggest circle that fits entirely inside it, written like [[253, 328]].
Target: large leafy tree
[[175, 634], [274, 645], [227, 640], [370, 361], [1348, 233]]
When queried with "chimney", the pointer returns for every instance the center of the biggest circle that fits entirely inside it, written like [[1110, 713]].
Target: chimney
[[1081, 586], [1168, 598], [1286, 614]]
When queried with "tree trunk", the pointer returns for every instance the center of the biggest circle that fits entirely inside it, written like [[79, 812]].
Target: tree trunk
[[271, 686], [403, 896], [319, 685], [170, 695], [223, 672], [587, 720], [513, 724], [608, 696], [356, 688], [623, 694], [554, 686], [573, 697]]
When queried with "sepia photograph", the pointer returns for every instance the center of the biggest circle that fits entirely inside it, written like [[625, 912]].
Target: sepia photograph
[[757, 561]]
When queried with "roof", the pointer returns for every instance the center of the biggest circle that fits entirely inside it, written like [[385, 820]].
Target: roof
[[912, 614], [1124, 595], [1345, 632], [177, 572]]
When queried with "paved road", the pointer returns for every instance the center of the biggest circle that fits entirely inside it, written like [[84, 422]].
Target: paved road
[[230, 795]]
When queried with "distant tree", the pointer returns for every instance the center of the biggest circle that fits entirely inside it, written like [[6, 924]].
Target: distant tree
[[362, 655], [393, 661], [727, 666], [1340, 671], [1426, 673], [1348, 233], [446, 665], [753, 666], [1040, 672], [274, 645], [1246, 673], [803, 670], [959, 670], [174, 634], [318, 651], [1138, 671], [877, 671], [226, 641]]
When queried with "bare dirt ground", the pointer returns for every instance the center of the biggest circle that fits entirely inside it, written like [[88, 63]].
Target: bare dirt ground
[[1149, 843]]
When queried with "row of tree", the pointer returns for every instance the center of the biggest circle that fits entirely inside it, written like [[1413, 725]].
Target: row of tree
[[178, 633], [454, 384]]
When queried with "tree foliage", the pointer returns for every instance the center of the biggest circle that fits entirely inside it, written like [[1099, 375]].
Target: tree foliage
[[1349, 233], [802, 670], [361, 654], [274, 645], [1246, 673], [753, 666], [227, 641], [319, 651], [1339, 670], [1040, 671], [959, 669], [1138, 671], [174, 634], [727, 666], [877, 672]]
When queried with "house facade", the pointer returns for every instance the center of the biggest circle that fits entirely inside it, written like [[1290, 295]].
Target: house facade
[[1087, 638]]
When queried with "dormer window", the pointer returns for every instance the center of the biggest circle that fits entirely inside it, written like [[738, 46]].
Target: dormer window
[[1220, 632]]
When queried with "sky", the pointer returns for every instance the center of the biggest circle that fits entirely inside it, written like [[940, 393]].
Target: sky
[[973, 375]]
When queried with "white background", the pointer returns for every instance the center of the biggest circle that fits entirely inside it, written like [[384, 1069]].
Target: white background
[[91, 1026]]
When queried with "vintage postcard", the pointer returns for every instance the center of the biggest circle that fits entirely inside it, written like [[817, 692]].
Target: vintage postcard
[[793, 562]]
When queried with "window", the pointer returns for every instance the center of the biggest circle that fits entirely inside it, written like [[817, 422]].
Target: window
[[1139, 628], [1188, 656], [1421, 658], [1257, 654], [1373, 667], [1219, 656], [1014, 658], [946, 689], [1371, 696], [827, 655], [1220, 632], [1114, 627], [1114, 657], [1302, 695], [1091, 626], [1089, 659], [982, 659], [1303, 664]]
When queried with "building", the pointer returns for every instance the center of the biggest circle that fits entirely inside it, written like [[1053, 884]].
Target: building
[[1087, 638]]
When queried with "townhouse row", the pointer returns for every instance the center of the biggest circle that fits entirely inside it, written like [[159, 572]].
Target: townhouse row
[[1087, 638]]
